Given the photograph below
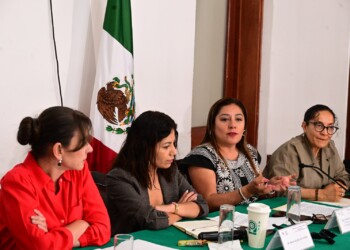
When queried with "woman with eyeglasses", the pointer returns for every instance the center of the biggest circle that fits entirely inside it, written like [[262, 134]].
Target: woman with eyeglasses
[[315, 148]]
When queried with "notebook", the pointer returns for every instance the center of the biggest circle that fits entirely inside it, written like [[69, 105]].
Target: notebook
[[193, 228]]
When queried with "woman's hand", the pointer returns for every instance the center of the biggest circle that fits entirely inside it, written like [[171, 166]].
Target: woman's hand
[[77, 228], [260, 185], [331, 192], [281, 183], [187, 197], [39, 220], [170, 208]]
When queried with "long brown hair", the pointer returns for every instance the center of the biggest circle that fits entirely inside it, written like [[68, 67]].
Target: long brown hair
[[210, 136]]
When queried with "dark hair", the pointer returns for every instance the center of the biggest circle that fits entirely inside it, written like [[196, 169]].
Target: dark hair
[[210, 137], [55, 124], [314, 112], [139, 147]]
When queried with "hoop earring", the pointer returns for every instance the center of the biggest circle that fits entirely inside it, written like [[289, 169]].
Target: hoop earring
[[59, 163]]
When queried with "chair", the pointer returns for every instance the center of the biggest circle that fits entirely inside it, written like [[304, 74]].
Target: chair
[[347, 165], [100, 181], [183, 170]]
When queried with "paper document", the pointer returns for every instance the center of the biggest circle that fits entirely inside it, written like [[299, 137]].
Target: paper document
[[344, 202], [235, 244], [242, 220], [308, 208], [142, 245]]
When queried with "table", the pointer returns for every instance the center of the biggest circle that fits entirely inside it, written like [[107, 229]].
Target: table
[[171, 235]]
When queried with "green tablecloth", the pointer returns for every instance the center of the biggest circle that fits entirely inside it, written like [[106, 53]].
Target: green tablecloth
[[170, 236]]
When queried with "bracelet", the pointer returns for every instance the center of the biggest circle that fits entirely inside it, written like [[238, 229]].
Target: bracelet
[[316, 194], [272, 194], [241, 194], [176, 207]]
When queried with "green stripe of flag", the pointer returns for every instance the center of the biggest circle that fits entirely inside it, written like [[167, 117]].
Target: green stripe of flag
[[118, 22]]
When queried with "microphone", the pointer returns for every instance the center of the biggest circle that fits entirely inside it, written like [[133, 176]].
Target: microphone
[[301, 166]]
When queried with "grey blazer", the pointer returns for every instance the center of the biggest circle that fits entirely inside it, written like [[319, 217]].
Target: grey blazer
[[128, 202]]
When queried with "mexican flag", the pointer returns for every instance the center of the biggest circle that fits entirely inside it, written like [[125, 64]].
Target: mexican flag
[[113, 100]]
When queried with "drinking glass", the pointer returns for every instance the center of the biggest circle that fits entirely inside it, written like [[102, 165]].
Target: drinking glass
[[293, 203], [226, 223], [123, 242]]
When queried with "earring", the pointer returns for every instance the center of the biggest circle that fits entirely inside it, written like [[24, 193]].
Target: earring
[[59, 163]]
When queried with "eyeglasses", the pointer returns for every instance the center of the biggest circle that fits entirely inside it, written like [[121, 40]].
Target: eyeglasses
[[319, 219], [319, 127]]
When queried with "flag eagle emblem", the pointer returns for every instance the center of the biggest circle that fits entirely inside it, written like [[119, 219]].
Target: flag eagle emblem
[[111, 100]]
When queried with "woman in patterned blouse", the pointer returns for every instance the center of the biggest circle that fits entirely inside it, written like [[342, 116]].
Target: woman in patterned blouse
[[224, 168]]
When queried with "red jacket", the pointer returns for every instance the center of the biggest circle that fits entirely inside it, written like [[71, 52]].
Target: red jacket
[[27, 187]]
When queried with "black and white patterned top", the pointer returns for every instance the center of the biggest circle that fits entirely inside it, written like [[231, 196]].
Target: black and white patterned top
[[228, 178]]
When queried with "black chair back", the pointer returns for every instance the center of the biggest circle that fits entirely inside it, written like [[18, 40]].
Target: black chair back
[[100, 181], [347, 165]]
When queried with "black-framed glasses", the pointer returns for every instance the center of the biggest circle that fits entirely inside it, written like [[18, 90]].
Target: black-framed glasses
[[319, 219], [319, 127]]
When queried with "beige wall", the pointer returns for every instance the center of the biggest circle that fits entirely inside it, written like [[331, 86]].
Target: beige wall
[[209, 57]]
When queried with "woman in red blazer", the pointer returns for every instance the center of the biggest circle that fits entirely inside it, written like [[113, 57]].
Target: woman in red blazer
[[50, 201]]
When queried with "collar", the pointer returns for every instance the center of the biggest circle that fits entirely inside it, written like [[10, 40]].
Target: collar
[[38, 174]]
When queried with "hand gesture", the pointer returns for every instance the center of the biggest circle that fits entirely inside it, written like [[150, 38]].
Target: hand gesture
[[260, 185], [281, 183]]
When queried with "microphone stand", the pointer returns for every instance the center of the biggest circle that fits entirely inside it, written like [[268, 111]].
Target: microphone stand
[[301, 166]]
